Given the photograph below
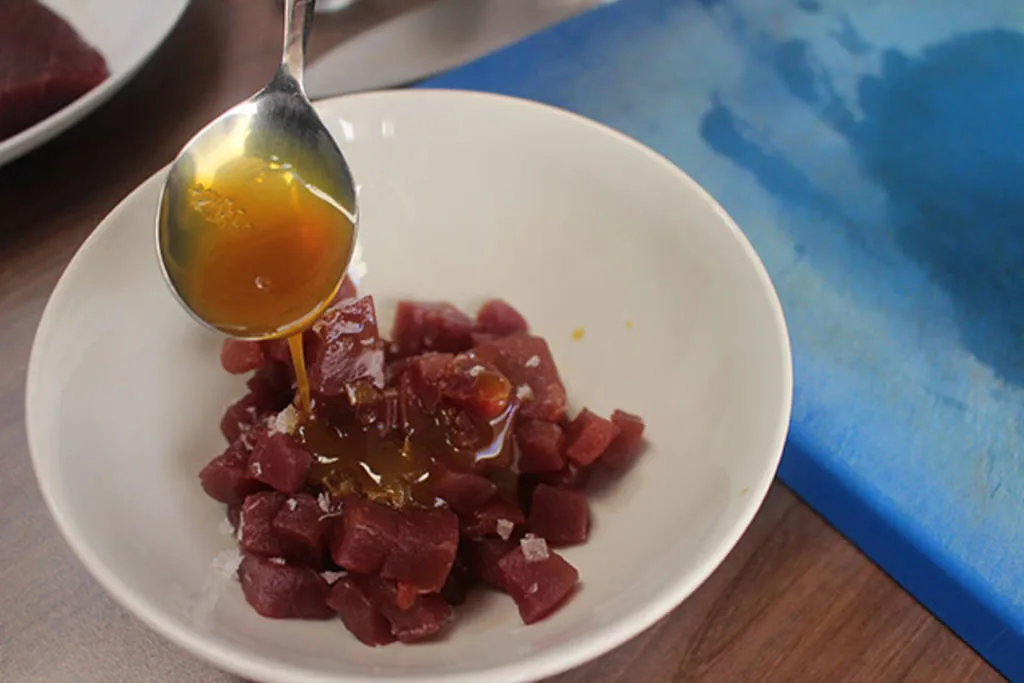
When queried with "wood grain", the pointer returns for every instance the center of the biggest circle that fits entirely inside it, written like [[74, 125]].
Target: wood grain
[[793, 602]]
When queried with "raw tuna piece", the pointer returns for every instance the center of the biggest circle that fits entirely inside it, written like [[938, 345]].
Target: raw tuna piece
[[589, 437], [299, 525], [626, 445], [238, 357], [456, 587], [430, 326], [256, 525], [541, 446], [272, 386], [561, 516], [483, 556], [498, 318], [426, 374], [281, 591], [358, 614], [493, 519], [44, 65], [425, 545], [465, 492], [476, 385], [278, 461], [572, 476], [241, 417], [361, 541], [226, 477], [526, 361], [538, 587], [345, 347], [426, 616]]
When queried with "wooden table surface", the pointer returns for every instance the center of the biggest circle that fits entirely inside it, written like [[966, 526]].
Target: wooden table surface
[[793, 602]]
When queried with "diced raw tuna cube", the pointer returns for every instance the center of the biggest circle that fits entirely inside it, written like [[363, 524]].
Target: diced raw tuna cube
[[425, 545], [430, 326], [483, 556], [476, 385], [241, 417], [426, 616], [456, 587], [256, 524], [361, 541], [572, 476], [345, 347], [626, 445], [589, 437], [358, 613], [226, 477], [272, 386], [238, 356], [526, 361], [561, 516], [497, 517], [465, 492], [278, 461], [298, 523], [541, 446], [498, 318], [281, 591], [426, 374], [538, 587]]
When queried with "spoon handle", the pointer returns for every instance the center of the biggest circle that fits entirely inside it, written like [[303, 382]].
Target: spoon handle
[[298, 20]]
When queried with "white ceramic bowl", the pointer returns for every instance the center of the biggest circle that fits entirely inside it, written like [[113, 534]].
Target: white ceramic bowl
[[463, 196]]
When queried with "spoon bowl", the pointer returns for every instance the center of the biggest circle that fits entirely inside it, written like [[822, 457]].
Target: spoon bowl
[[257, 217]]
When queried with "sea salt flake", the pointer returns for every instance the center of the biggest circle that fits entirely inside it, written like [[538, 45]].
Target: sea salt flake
[[277, 560], [524, 392], [225, 527], [287, 421], [532, 589], [332, 577], [292, 504], [226, 562], [257, 469], [533, 361], [504, 528], [535, 548], [476, 370], [324, 501]]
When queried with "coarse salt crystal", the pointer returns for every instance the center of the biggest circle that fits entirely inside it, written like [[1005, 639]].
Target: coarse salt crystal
[[324, 501], [524, 392], [257, 469], [292, 504], [226, 528], [332, 577], [226, 562], [241, 527], [535, 548], [277, 560], [286, 421], [504, 528], [476, 370], [532, 589], [533, 361]]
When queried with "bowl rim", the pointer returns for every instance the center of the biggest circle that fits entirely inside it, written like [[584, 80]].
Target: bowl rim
[[549, 662]]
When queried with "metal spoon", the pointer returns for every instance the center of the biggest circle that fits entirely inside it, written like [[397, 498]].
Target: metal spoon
[[277, 126]]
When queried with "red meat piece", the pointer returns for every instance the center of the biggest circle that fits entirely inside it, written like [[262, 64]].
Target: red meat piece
[[498, 318], [456, 587], [361, 541], [299, 525], [426, 616], [572, 476], [44, 65], [345, 347], [426, 374], [483, 556], [278, 461], [560, 516], [538, 587], [526, 361], [589, 437], [281, 591], [484, 522], [256, 524], [272, 387], [238, 356], [430, 326], [241, 417], [541, 446], [465, 492], [425, 545], [226, 477], [358, 613], [626, 445], [476, 385]]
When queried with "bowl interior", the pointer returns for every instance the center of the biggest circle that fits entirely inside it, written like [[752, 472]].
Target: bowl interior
[[462, 197]]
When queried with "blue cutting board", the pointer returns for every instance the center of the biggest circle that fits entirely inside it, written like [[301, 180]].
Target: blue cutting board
[[873, 152]]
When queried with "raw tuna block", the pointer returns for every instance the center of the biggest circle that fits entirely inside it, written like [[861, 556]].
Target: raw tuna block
[[560, 516], [278, 461], [272, 387], [298, 524], [238, 357], [281, 591], [226, 478], [539, 585], [476, 385], [589, 437], [541, 446], [498, 318], [256, 524], [497, 517], [424, 550], [345, 347], [465, 492], [426, 616], [365, 535], [526, 361], [430, 326], [626, 445], [358, 613], [572, 476], [240, 418], [483, 556]]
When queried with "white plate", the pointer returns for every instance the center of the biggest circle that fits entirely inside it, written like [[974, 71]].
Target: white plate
[[125, 32], [463, 196]]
